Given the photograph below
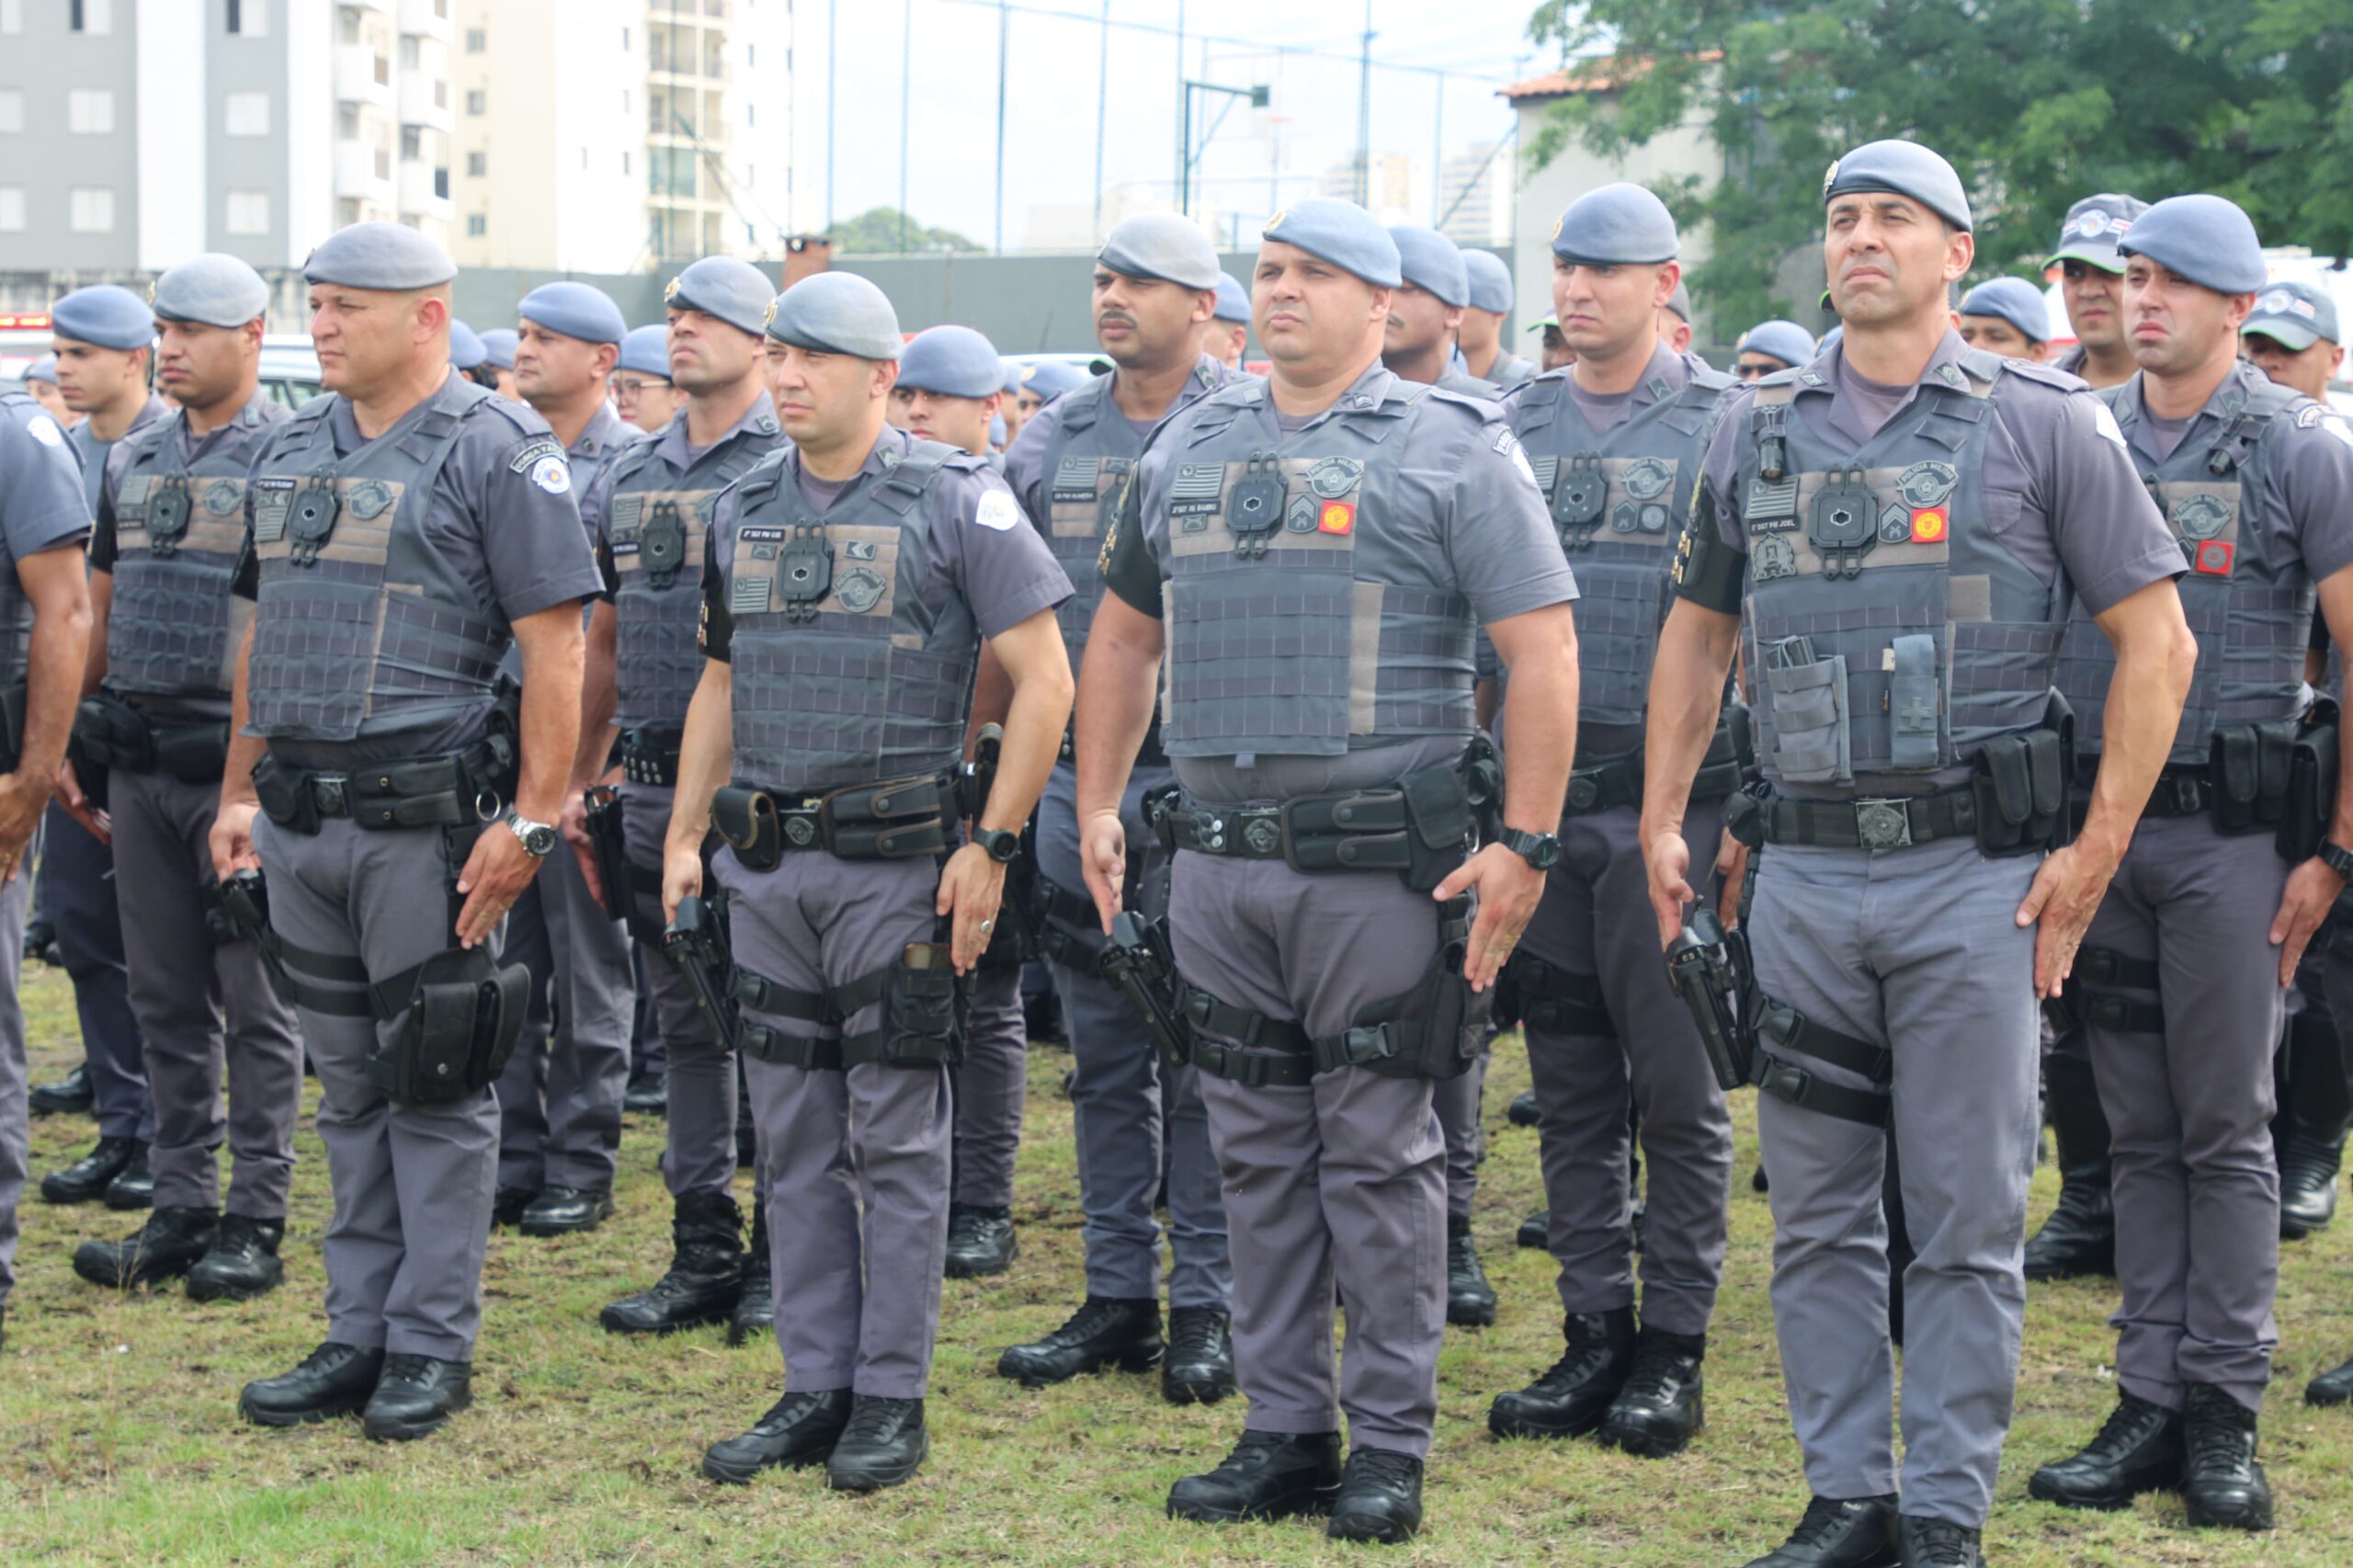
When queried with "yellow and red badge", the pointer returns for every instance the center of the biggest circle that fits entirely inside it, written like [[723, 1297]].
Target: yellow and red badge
[[1928, 525], [1337, 517], [2213, 558]]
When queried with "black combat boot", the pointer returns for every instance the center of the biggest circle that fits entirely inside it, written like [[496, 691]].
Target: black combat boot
[[334, 1380], [2221, 1480], [166, 1247], [1379, 1499], [1199, 1368], [1105, 1332], [1662, 1404], [755, 1313], [883, 1445], [415, 1397], [2309, 1130], [69, 1095], [1841, 1532], [1470, 1300], [706, 1276], [1524, 1111], [798, 1429], [648, 1094], [1269, 1475], [1940, 1543], [507, 1205], [243, 1262], [2332, 1387], [980, 1241], [88, 1178], [2079, 1237], [1536, 1230], [2139, 1449], [566, 1211], [1574, 1396], [133, 1185]]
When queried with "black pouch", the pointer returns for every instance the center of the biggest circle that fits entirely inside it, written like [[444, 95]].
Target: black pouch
[[746, 819], [284, 795], [1445, 819], [11, 725], [1362, 832], [2248, 766], [2020, 785], [108, 733], [898, 821], [453, 1020], [2312, 784], [610, 851], [923, 1009], [193, 754], [1745, 816]]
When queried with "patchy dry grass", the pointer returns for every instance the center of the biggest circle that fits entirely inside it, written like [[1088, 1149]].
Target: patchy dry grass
[[120, 1441]]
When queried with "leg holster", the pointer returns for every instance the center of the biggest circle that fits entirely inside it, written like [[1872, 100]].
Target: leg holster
[[1550, 999], [924, 1008], [454, 1018], [1780, 1024], [2091, 998]]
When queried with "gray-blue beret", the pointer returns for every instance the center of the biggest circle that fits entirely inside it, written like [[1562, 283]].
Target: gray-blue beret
[[954, 361], [2203, 238], [1163, 246], [1900, 168], [1431, 263], [996, 429], [1680, 300], [576, 310], [2015, 301], [1049, 379], [1342, 233], [466, 351], [105, 315], [1617, 225], [2294, 315], [646, 350], [837, 312], [498, 346], [42, 369], [379, 256], [723, 287], [1784, 340], [211, 290], [2093, 227], [1233, 300], [1490, 283]]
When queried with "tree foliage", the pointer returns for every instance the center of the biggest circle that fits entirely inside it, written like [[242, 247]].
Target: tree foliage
[[2037, 102], [886, 231]]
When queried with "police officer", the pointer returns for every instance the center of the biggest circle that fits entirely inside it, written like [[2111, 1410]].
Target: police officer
[[1616, 442], [1041, 382], [170, 528], [1897, 517], [2292, 338], [1675, 320], [1556, 351], [2006, 316], [643, 393], [496, 371], [1771, 346], [1324, 1002], [1136, 1115], [1425, 312], [467, 354], [1227, 337], [45, 599], [41, 382], [2092, 282], [560, 1097], [653, 510], [1482, 333], [2183, 971], [105, 357], [405, 801], [855, 575]]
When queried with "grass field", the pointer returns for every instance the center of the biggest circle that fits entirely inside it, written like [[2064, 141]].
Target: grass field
[[120, 1441]]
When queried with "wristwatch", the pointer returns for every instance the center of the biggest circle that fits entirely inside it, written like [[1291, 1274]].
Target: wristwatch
[[1002, 845], [2337, 859], [1542, 850], [537, 837]]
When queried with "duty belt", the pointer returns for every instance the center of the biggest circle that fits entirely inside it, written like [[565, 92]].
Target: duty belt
[[1619, 782], [896, 819], [2180, 792], [451, 790], [650, 757], [1365, 830], [1875, 823]]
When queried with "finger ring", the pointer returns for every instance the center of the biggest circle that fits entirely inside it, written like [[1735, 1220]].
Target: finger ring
[[988, 924]]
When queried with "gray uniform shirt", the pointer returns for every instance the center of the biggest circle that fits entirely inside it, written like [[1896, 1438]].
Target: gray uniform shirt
[[41, 500], [95, 452]]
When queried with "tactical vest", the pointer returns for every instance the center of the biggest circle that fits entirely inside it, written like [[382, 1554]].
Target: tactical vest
[[2252, 617], [658, 522], [16, 610], [1297, 622], [179, 528], [1093, 457], [1892, 632], [1621, 501], [360, 627], [849, 665]]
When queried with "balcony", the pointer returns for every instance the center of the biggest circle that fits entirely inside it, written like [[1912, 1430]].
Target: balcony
[[425, 191], [363, 172], [429, 19], [425, 101], [362, 76]]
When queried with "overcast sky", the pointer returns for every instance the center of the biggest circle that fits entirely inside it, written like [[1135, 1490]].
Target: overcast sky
[[1056, 58]]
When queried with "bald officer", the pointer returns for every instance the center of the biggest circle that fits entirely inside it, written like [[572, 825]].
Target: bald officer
[[1617, 441], [406, 798], [855, 574], [1324, 1002], [1136, 1115], [1893, 521], [2184, 965], [559, 1099], [1482, 333], [651, 510], [46, 600], [643, 393], [2006, 316], [1227, 337], [2092, 282], [1771, 346], [155, 724]]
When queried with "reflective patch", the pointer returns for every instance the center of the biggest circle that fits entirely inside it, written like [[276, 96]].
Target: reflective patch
[[552, 475], [44, 430], [997, 510]]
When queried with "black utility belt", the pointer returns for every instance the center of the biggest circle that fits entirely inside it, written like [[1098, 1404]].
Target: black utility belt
[[1875, 823], [110, 733], [898, 819], [455, 789], [651, 756], [2278, 777], [1729, 764]]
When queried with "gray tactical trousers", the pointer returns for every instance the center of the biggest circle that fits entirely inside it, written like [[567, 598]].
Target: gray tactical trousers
[[559, 1099], [15, 1116], [990, 1086], [77, 896]]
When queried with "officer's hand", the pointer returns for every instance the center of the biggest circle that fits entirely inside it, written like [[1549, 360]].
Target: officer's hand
[[681, 879], [495, 875], [1103, 857], [2312, 893], [572, 823], [1669, 861], [1732, 870], [2067, 893], [23, 797], [1508, 890], [68, 794], [231, 840], [972, 885]]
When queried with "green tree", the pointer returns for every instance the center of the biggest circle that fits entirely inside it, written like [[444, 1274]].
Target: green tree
[[2037, 102], [886, 231]]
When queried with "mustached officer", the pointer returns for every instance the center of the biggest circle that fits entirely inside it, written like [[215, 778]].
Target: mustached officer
[[406, 527], [1901, 524], [1381, 522], [854, 577], [170, 527]]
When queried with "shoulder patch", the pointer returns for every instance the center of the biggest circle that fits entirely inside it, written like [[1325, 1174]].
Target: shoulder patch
[[997, 510], [2104, 423], [552, 474], [527, 456], [2309, 416], [42, 428]]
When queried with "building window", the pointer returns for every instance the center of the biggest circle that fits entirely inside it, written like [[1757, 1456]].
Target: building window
[[751, 55], [409, 54], [624, 41], [383, 163], [477, 39], [477, 100], [248, 212], [245, 114], [347, 32], [751, 114], [412, 143], [347, 121], [90, 111], [92, 16], [477, 225], [383, 71], [440, 93], [625, 100], [12, 208], [12, 109], [89, 210], [624, 162], [248, 18], [477, 164]]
